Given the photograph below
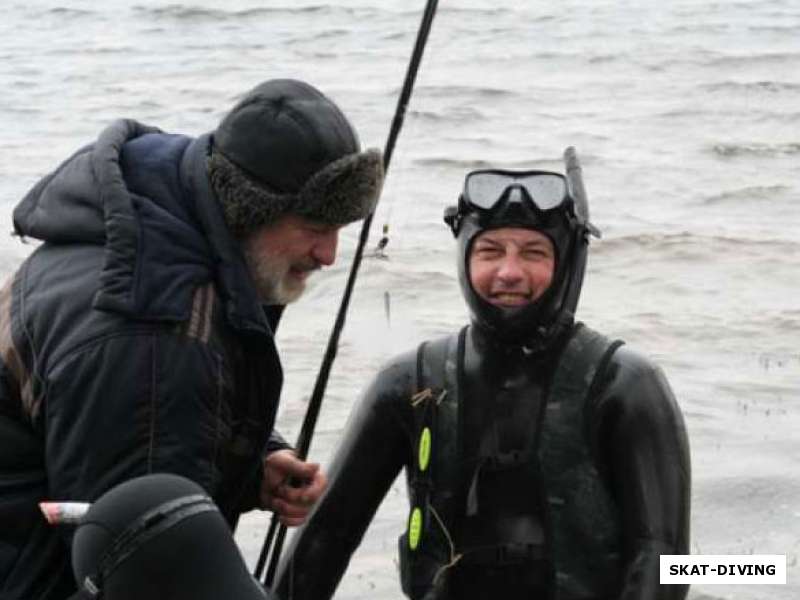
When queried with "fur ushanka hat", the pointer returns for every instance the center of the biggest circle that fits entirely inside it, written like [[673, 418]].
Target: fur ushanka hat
[[287, 148]]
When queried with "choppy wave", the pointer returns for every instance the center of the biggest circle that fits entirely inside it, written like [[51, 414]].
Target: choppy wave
[[22, 111], [453, 114], [776, 29], [750, 333], [681, 113], [789, 117], [717, 60], [395, 35], [771, 59], [326, 35], [600, 59], [68, 12], [756, 149], [786, 321], [694, 28], [456, 91], [24, 84], [454, 163], [763, 114], [752, 86], [90, 50], [693, 243], [444, 9], [188, 12], [748, 194]]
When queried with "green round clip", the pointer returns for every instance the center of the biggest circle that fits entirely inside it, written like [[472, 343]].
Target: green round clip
[[424, 451], [414, 528]]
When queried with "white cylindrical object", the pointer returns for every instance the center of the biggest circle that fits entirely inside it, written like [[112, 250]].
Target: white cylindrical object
[[64, 513]]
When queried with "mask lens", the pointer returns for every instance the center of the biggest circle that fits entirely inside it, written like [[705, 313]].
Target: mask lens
[[546, 190], [484, 189]]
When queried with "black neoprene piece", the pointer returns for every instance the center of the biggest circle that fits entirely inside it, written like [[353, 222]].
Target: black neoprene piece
[[159, 536], [635, 430]]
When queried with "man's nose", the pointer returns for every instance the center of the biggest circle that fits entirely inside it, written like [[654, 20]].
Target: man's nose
[[510, 268], [324, 251]]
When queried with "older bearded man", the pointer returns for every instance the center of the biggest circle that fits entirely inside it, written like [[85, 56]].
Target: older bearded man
[[138, 338]]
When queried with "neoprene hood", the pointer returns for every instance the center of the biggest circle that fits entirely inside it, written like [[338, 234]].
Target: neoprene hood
[[536, 325], [159, 536]]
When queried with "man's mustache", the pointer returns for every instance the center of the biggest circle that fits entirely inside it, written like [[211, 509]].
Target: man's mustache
[[307, 265]]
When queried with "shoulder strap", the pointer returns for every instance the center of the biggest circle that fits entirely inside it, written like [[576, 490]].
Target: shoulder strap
[[436, 423], [582, 519], [582, 365]]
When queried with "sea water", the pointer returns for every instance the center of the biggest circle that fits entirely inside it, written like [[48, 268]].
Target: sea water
[[686, 115]]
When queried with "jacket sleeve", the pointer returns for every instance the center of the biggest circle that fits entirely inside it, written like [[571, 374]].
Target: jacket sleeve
[[251, 496], [132, 403], [643, 446], [276, 442], [372, 451]]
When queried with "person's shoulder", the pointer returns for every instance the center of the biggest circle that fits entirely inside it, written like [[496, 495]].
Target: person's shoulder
[[389, 388], [635, 363], [397, 376], [634, 384], [399, 362], [406, 361], [621, 355]]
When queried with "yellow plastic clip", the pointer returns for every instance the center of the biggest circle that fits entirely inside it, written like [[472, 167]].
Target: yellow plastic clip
[[424, 451], [415, 528]]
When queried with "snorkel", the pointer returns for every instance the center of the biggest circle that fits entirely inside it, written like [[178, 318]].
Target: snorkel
[[583, 230]]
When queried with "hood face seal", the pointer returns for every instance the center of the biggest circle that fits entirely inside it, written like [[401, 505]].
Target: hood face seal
[[527, 325]]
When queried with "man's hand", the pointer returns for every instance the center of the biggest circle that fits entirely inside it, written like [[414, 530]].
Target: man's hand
[[282, 469]]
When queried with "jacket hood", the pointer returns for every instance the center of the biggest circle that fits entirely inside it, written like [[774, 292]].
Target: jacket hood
[[69, 205], [143, 195]]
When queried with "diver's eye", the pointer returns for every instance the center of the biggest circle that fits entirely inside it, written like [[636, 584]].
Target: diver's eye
[[535, 254], [488, 252]]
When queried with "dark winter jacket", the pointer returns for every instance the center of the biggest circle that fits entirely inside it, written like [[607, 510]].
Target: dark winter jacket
[[131, 342]]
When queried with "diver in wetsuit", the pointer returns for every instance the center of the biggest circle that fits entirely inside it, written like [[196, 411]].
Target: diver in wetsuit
[[543, 459]]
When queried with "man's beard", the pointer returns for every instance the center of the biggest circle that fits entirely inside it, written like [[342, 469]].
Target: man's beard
[[270, 275]]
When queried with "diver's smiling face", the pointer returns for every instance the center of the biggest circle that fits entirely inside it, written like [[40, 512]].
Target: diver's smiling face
[[511, 266]]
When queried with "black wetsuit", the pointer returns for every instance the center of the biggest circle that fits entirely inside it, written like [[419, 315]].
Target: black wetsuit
[[638, 441]]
